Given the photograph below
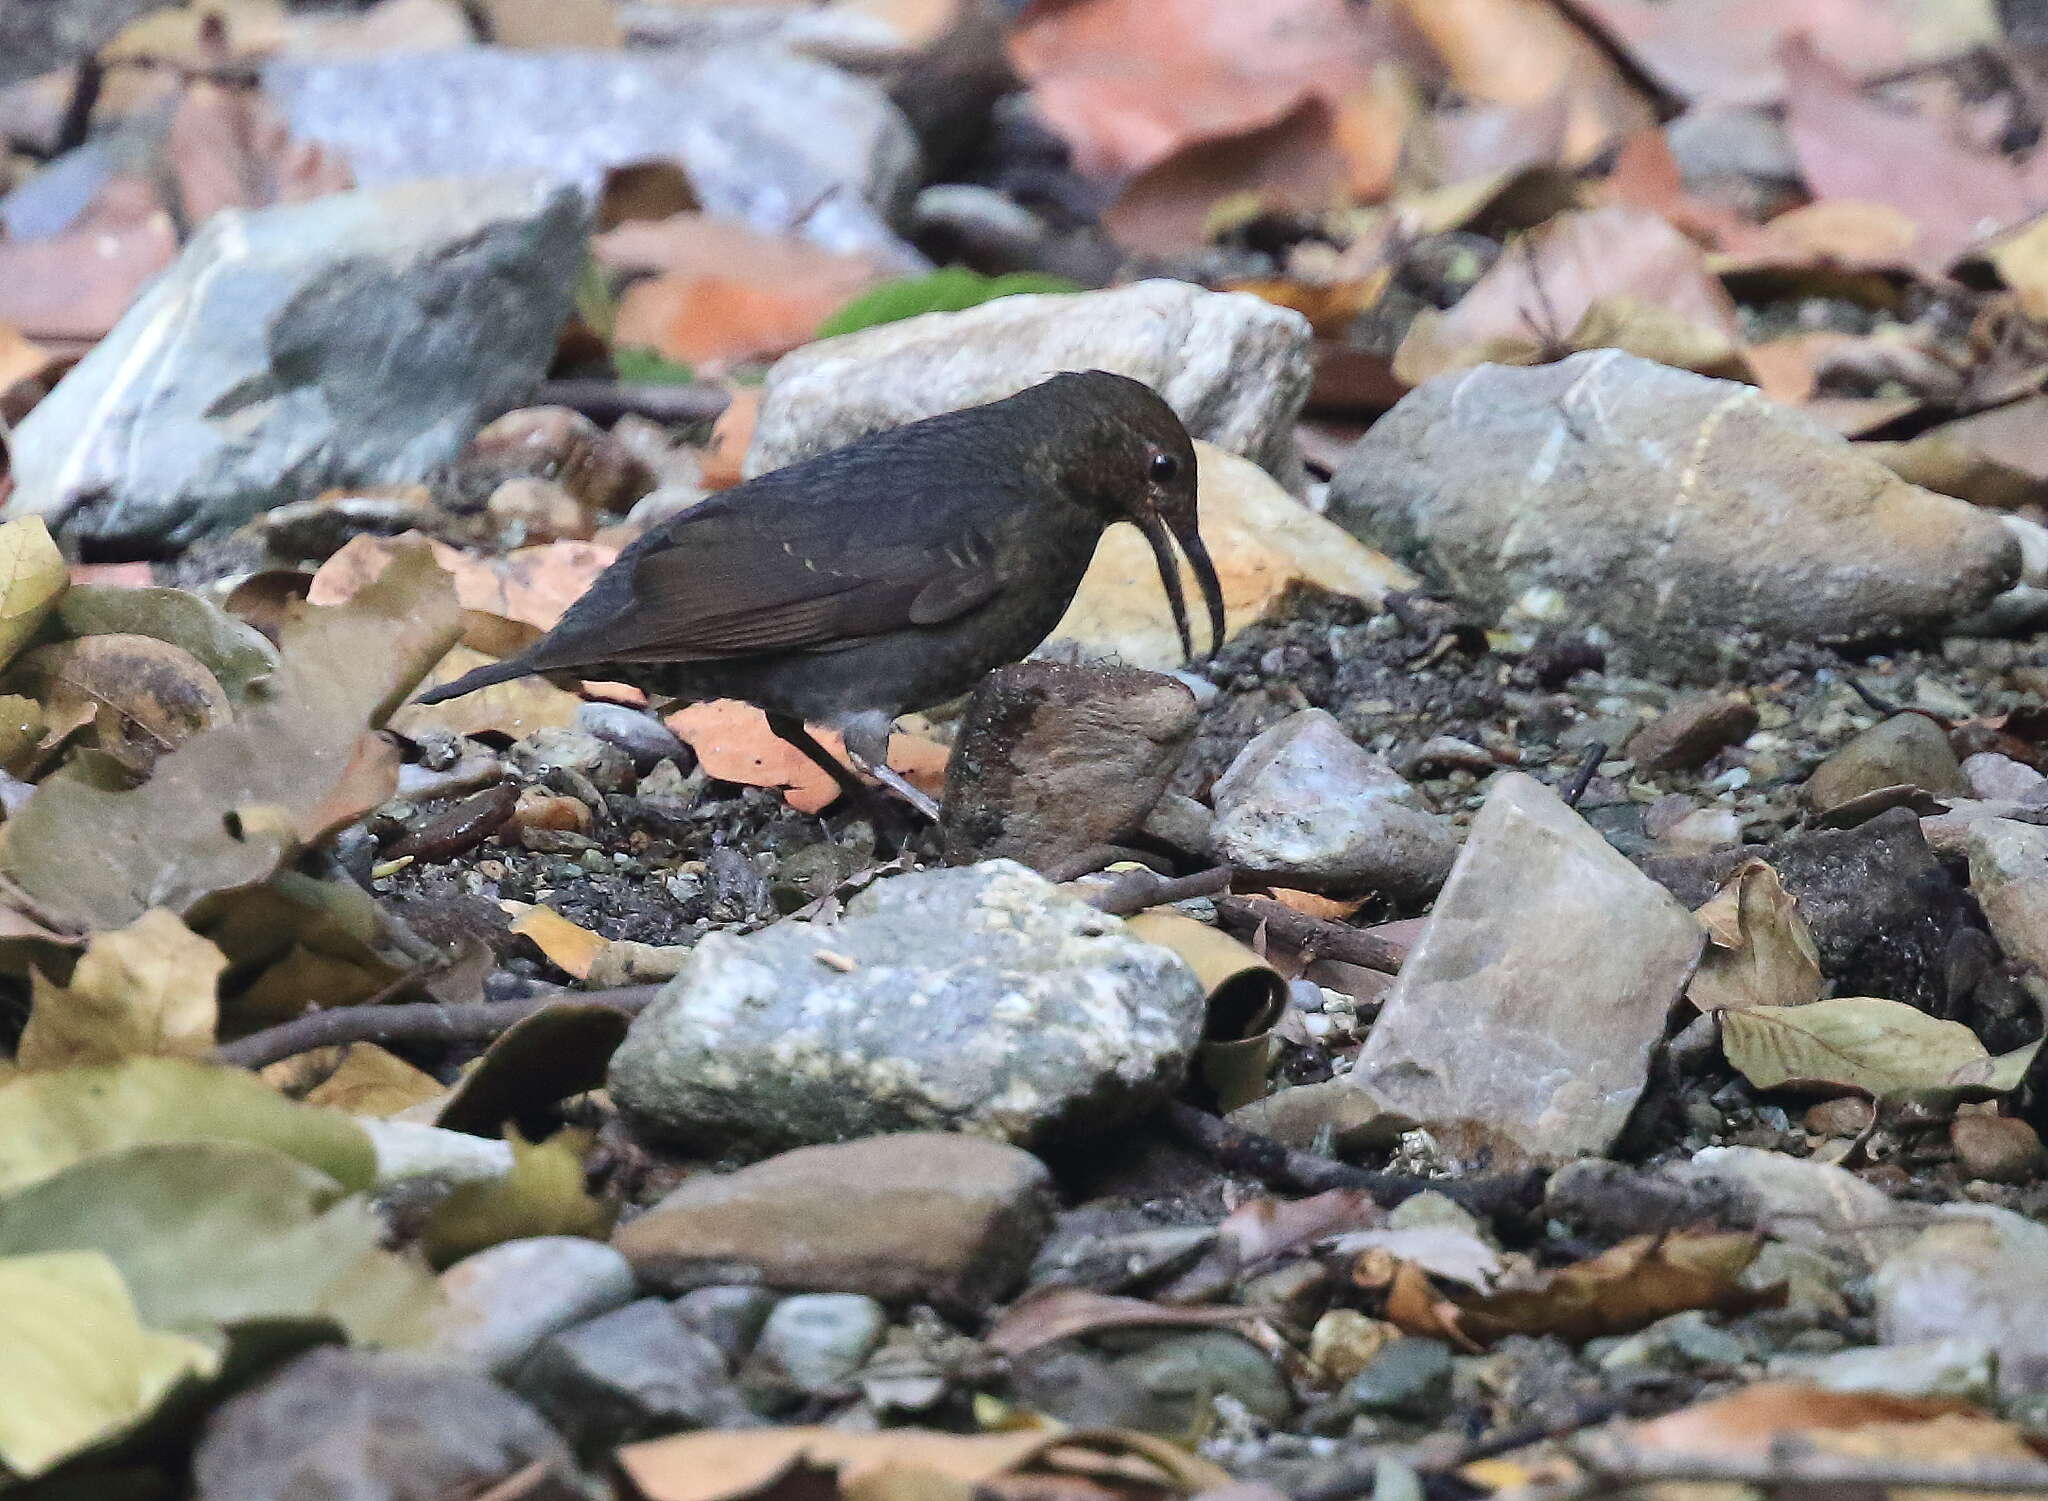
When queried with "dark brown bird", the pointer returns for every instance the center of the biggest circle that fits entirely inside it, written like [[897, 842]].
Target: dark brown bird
[[891, 574]]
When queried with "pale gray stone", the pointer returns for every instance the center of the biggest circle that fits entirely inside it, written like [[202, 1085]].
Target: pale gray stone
[[1993, 777], [1539, 984], [1978, 1273], [501, 1302], [2009, 878], [816, 1341], [1304, 803], [1965, 1368], [1235, 368], [640, 735], [1673, 516], [783, 142], [982, 999], [359, 339], [1808, 1203]]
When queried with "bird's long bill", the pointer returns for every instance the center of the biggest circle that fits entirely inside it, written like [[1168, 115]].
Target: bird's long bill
[[1157, 532]]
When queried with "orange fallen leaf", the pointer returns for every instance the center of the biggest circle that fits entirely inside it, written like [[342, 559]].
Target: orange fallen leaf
[[1750, 1420], [1058, 1313], [115, 575], [722, 464], [514, 710], [1329, 909], [571, 949], [531, 584], [77, 283], [734, 744]]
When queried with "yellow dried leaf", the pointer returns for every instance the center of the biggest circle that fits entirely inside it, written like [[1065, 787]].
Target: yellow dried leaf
[[1759, 950], [32, 579], [542, 1195], [1865, 1045], [571, 949], [149, 989], [375, 1081]]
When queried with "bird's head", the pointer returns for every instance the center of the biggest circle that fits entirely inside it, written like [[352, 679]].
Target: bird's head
[[1131, 460]]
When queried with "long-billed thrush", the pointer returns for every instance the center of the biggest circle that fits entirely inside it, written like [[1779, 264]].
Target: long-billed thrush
[[891, 574]]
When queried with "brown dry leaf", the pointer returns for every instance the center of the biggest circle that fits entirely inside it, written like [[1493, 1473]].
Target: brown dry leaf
[[1749, 1422], [144, 697], [1759, 950], [1541, 291], [723, 462], [586, 24], [229, 147], [1851, 147], [731, 1466], [1631, 1285], [26, 371], [225, 809], [1727, 52], [1865, 1045], [1526, 53], [1843, 237], [569, 948], [1329, 307], [1058, 1313], [533, 585], [560, 1050], [1416, 1307], [2019, 256], [514, 710], [33, 579], [722, 292], [75, 285], [1263, 1228], [2014, 436], [734, 744], [148, 989], [373, 1081], [1127, 83]]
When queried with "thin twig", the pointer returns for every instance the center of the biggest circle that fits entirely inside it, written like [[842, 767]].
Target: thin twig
[[607, 401], [1583, 777], [1135, 890], [1329, 940], [421, 1021], [1880, 705], [1360, 1482], [1267, 1160]]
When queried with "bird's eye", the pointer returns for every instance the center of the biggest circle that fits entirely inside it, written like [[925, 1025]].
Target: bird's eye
[[1164, 467]]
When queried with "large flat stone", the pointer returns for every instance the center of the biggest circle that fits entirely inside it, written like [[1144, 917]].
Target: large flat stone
[[1527, 1009]]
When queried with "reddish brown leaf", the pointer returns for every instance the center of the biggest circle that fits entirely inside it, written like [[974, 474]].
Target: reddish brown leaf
[[1623, 1289], [1068, 1312], [77, 284]]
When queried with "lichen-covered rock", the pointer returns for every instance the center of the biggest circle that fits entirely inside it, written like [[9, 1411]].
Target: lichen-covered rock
[[1678, 517], [1236, 369], [981, 999]]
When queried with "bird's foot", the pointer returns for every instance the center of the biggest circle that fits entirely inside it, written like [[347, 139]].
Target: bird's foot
[[894, 780]]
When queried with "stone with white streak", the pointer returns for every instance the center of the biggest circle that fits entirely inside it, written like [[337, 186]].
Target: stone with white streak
[[981, 999], [1526, 1011]]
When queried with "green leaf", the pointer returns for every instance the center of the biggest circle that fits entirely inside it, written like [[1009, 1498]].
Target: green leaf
[[208, 1234], [236, 653], [542, 1195], [77, 1367], [949, 290], [636, 366], [48, 1121], [1864, 1045]]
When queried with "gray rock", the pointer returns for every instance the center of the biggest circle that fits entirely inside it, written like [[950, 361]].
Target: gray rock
[[1672, 516], [608, 768], [1236, 369], [1056, 765], [498, 1304], [641, 736], [367, 1425], [1541, 980], [1306, 804], [981, 999], [1409, 1377], [1157, 1382], [816, 1341], [919, 1216], [1964, 1368], [53, 34], [358, 339], [730, 1317], [783, 142], [1907, 750], [1691, 732], [635, 1373], [1808, 1203], [1993, 777], [1978, 1274]]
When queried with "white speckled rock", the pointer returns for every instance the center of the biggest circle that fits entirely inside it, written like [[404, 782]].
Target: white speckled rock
[[982, 999], [1236, 369]]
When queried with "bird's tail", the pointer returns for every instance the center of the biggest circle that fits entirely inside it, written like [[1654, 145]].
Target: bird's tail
[[480, 677]]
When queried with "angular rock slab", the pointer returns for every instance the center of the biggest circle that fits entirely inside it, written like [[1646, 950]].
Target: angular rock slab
[[1235, 368], [1305, 803], [2009, 879], [358, 339], [786, 143], [982, 999], [1980, 1273], [1672, 513], [1542, 978], [921, 1216]]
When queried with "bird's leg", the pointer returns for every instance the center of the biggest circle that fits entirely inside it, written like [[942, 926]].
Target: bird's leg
[[867, 746], [793, 731]]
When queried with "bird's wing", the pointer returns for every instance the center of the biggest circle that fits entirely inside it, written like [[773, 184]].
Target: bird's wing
[[753, 579]]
